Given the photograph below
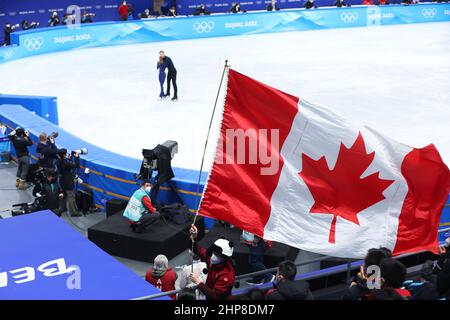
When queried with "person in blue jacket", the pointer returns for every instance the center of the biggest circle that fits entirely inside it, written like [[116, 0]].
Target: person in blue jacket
[[161, 66]]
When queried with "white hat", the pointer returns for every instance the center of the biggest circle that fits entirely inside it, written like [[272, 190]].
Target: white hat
[[225, 246]]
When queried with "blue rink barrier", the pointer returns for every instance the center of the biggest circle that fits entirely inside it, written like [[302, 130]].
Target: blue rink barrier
[[43, 258], [47, 40], [111, 174], [44, 107]]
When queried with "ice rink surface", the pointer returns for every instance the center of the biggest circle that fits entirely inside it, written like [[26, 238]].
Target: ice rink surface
[[395, 79]]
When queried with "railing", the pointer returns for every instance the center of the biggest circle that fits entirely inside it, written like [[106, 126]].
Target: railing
[[319, 273]]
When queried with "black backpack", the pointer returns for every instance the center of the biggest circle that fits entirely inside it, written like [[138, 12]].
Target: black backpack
[[85, 201], [176, 212]]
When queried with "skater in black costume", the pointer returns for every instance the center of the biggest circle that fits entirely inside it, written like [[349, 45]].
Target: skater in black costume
[[171, 75]]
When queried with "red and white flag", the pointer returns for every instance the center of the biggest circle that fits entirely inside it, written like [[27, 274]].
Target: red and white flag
[[293, 172]]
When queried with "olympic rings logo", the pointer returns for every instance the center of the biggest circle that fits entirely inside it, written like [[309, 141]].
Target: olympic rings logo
[[8, 54], [429, 13], [349, 17], [203, 27], [32, 44]]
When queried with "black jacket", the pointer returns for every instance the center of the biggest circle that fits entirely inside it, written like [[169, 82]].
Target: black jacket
[[170, 65], [442, 270], [47, 154], [291, 290], [21, 145], [51, 192], [67, 173], [309, 5]]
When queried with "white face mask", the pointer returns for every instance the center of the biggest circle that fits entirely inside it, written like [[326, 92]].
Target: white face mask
[[148, 189], [215, 259]]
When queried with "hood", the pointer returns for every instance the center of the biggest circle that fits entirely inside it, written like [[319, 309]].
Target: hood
[[294, 290]]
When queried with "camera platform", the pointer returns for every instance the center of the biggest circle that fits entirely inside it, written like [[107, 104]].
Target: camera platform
[[272, 257], [114, 236]]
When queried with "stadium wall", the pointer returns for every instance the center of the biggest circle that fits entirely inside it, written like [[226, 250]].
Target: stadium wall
[[111, 175]]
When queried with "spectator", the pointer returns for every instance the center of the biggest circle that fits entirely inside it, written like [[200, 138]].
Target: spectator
[[442, 270], [383, 2], [187, 294], [49, 191], [285, 286], [199, 268], [66, 167], [236, 8], [309, 4], [27, 26], [53, 21], [47, 151], [367, 2], [201, 11], [221, 273], [172, 12], [342, 3], [140, 211], [358, 287], [257, 247], [273, 6], [424, 288], [20, 140], [393, 274], [68, 19], [161, 276], [124, 11]]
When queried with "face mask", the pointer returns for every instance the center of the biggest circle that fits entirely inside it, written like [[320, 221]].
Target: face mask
[[215, 259], [148, 189]]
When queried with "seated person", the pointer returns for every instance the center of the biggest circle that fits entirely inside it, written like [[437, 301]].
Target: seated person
[[309, 4], [49, 192], [172, 12], [161, 276], [285, 285], [393, 275], [423, 288], [273, 6], [201, 11], [145, 15], [140, 211]]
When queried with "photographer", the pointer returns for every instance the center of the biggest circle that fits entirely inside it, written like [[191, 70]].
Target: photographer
[[87, 17], [7, 31], [47, 151], [21, 141], [49, 191], [28, 26], [53, 21], [67, 175]]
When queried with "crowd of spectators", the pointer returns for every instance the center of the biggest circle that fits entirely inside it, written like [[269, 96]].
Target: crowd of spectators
[[380, 277], [126, 12]]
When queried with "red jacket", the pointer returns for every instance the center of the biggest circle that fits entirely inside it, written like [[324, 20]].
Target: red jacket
[[368, 2], [124, 11], [165, 283], [220, 279]]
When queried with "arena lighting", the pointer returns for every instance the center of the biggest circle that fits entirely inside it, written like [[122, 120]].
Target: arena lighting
[[158, 159]]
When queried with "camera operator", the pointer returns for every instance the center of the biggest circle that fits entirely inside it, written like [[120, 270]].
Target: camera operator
[[21, 141], [28, 26], [53, 21], [47, 151], [49, 191], [9, 28], [67, 175], [87, 17]]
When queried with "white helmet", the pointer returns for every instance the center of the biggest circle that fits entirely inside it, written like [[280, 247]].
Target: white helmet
[[224, 247]]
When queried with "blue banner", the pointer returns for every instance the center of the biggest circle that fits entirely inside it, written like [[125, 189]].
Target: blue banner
[[44, 258]]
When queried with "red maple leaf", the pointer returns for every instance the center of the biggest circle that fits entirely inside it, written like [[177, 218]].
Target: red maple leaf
[[341, 191]]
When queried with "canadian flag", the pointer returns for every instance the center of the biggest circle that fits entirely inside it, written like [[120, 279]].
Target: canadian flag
[[296, 173]]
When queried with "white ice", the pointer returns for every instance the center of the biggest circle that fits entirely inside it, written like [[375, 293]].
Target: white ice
[[395, 79]]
